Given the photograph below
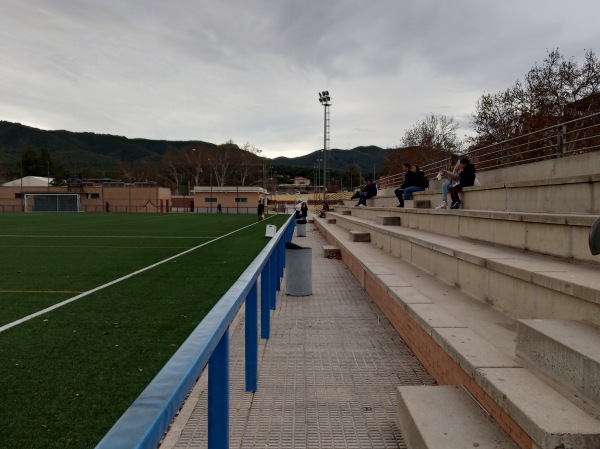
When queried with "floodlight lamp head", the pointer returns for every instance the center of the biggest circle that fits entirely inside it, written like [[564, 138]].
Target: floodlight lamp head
[[324, 98]]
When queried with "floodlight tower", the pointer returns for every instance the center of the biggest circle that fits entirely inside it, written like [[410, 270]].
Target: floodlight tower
[[325, 100]]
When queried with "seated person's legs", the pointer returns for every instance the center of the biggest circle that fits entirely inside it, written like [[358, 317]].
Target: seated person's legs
[[445, 188], [363, 199], [410, 190], [399, 192], [360, 196], [456, 202]]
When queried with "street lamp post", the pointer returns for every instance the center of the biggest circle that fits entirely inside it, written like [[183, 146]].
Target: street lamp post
[[264, 179], [325, 100], [211, 199], [318, 183], [275, 189]]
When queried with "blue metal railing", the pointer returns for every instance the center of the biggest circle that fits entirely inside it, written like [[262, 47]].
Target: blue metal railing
[[146, 420]]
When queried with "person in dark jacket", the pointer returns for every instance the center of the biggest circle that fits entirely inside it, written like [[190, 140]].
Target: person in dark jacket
[[304, 210], [368, 191], [414, 181], [324, 210], [466, 179], [409, 180], [260, 210]]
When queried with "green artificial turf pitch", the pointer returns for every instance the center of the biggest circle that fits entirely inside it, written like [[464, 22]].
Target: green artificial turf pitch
[[67, 376]]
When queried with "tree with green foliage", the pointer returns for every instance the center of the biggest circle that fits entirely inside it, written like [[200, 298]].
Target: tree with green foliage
[[35, 162]]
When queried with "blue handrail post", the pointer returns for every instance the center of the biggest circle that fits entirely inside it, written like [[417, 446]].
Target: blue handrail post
[[274, 281], [265, 309], [218, 395], [281, 250], [251, 339]]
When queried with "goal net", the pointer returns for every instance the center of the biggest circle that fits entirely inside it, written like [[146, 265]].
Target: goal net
[[52, 202]]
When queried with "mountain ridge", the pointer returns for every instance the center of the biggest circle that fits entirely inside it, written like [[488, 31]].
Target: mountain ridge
[[86, 150]]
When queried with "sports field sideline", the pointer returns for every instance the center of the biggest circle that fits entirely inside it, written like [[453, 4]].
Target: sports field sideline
[[67, 374]]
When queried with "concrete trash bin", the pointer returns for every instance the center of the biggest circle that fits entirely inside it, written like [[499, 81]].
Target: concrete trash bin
[[298, 270], [300, 228]]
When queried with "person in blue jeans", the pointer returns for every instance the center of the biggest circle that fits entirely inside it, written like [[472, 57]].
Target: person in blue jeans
[[467, 179], [414, 181], [368, 191], [408, 181], [450, 176]]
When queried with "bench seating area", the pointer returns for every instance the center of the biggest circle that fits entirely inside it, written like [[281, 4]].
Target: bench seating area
[[502, 304]]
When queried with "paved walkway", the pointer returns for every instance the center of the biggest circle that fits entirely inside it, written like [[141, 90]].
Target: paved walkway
[[327, 375]]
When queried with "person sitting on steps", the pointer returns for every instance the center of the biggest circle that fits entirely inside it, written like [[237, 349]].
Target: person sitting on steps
[[368, 191], [324, 209], [409, 179], [414, 181], [450, 176], [467, 179]]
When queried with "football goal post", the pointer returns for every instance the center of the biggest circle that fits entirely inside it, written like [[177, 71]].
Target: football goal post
[[52, 202]]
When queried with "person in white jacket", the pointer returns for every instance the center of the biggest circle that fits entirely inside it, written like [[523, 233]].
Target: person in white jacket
[[450, 176]]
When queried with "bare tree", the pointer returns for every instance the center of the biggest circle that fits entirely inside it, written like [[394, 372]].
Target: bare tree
[[247, 161], [172, 171], [136, 171], [222, 162], [192, 157], [551, 93], [435, 136]]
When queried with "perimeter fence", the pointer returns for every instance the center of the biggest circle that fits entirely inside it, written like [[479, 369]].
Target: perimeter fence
[[145, 422], [578, 136]]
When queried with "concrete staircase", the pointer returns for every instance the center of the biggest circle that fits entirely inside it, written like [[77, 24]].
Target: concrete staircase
[[504, 304], [566, 350]]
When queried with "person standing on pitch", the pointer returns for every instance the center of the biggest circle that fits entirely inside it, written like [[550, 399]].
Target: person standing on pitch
[[260, 210]]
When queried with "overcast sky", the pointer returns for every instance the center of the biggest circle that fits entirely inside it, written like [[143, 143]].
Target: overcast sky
[[251, 70]]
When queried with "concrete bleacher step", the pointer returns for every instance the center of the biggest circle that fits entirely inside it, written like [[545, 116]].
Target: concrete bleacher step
[[476, 340], [422, 204], [330, 250], [561, 235], [498, 275], [359, 236], [446, 417], [388, 220], [566, 350]]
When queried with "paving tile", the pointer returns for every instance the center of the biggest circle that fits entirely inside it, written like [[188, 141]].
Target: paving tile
[[327, 376]]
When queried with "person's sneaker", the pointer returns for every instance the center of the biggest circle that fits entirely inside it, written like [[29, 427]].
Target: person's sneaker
[[362, 205], [453, 206], [442, 205]]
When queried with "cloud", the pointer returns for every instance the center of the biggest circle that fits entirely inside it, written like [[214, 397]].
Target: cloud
[[250, 71]]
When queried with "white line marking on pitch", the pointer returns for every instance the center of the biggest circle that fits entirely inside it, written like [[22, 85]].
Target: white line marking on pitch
[[105, 236], [108, 284]]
